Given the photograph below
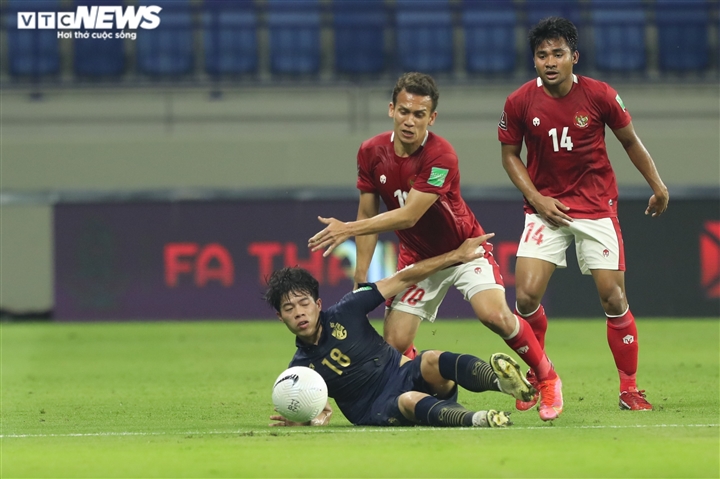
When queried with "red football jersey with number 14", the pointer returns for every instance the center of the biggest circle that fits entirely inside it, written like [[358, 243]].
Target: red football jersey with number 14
[[565, 139], [433, 168]]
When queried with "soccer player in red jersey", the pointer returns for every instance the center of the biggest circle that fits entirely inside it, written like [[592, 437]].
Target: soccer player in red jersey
[[415, 172], [570, 189]]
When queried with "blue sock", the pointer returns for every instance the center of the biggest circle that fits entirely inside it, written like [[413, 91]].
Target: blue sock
[[468, 371], [430, 411]]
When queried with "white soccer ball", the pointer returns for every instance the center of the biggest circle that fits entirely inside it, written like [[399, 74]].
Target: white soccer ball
[[299, 394]]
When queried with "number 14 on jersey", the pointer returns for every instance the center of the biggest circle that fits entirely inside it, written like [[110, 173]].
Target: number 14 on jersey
[[565, 140]]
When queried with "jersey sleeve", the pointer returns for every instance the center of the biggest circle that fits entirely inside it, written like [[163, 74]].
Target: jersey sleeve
[[615, 114], [361, 301], [364, 178], [437, 175], [510, 129]]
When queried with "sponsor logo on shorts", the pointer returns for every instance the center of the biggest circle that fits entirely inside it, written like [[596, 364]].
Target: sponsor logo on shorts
[[478, 270], [606, 252]]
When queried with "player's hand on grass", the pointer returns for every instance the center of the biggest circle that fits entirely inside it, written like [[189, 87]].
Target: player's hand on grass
[[283, 421], [658, 203], [552, 211], [333, 235]]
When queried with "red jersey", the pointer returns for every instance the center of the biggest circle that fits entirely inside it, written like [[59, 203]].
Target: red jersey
[[433, 168], [565, 139]]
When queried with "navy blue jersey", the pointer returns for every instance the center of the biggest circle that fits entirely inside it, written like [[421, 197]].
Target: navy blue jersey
[[351, 356]]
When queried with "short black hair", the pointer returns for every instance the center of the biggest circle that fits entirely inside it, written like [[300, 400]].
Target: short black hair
[[553, 28], [285, 281], [417, 84]]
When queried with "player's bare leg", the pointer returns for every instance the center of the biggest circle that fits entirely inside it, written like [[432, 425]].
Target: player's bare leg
[[621, 336], [492, 310], [399, 330], [532, 276]]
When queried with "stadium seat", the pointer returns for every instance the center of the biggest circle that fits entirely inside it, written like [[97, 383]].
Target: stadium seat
[[683, 37], [424, 35], [33, 53], [619, 35], [230, 37], [95, 57], [536, 10], [359, 28], [489, 28], [168, 49], [294, 36]]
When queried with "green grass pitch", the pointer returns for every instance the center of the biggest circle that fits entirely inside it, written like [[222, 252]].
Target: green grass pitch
[[193, 400]]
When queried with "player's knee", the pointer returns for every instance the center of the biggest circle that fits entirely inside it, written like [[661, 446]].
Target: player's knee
[[430, 360], [500, 322], [398, 341], [527, 302], [614, 301]]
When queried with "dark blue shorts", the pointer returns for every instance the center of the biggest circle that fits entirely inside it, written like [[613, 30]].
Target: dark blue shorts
[[385, 411]]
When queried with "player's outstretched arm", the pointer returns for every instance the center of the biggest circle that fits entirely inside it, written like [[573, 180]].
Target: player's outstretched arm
[[322, 419], [644, 163], [336, 232], [368, 206], [550, 209], [468, 251]]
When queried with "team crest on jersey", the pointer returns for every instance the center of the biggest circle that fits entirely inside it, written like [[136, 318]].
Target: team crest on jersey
[[383, 179], [536, 121], [582, 119], [338, 331], [503, 121]]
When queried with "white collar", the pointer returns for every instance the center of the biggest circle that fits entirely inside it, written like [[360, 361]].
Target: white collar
[[539, 80], [427, 133]]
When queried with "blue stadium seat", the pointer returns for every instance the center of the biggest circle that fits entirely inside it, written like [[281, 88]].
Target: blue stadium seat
[[536, 10], [95, 57], [294, 36], [489, 35], [683, 36], [168, 49], [424, 35], [359, 28], [34, 52], [230, 37], [619, 35]]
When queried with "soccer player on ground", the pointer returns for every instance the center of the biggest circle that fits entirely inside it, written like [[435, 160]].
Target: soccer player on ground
[[372, 383], [570, 189], [416, 174]]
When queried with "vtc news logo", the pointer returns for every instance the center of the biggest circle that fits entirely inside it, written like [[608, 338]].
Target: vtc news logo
[[92, 18]]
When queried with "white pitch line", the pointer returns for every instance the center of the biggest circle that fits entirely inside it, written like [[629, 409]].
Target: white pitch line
[[331, 430]]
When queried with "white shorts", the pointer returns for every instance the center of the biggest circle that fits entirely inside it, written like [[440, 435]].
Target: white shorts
[[598, 243], [423, 299]]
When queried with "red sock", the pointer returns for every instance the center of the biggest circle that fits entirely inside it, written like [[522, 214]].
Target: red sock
[[526, 345], [411, 352], [623, 341], [538, 322]]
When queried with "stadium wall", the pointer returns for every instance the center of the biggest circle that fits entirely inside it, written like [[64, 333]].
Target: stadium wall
[[114, 139]]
